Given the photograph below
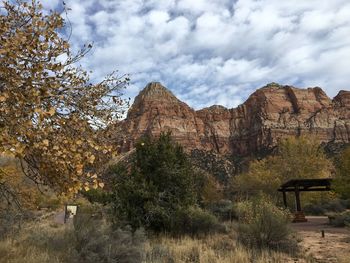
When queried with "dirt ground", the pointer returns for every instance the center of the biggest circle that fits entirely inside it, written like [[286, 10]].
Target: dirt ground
[[334, 247]]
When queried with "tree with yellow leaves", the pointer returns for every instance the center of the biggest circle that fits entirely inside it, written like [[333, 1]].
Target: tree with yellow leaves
[[297, 158], [52, 118]]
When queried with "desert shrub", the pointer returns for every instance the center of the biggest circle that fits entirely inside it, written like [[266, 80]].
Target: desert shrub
[[11, 221], [87, 240], [318, 208], [263, 224], [341, 219], [97, 241], [314, 209], [223, 209], [345, 203], [335, 206], [195, 221]]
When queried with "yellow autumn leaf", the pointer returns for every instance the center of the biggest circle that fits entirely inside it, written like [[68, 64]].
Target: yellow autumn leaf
[[38, 110], [52, 111], [101, 185], [79, 169], [91, 159]]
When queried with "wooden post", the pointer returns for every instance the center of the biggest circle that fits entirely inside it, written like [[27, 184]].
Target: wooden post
[[299, 215], [284, 198], [297, 198]]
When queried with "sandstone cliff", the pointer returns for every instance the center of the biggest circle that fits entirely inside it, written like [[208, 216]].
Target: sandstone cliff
[[254, 127]]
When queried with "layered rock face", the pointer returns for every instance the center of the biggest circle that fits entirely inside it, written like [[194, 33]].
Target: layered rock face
[[254, 127]]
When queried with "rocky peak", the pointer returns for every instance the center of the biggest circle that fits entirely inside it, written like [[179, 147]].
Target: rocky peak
[[342, 99], [274, 98], [155, 91]]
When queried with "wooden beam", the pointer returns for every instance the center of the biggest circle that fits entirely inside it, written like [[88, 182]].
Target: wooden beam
[[305, 190]]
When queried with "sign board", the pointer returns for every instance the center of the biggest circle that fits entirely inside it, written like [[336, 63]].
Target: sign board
[[70, 210]]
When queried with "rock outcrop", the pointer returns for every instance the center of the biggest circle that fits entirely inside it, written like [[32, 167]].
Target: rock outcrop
[[253, 128]]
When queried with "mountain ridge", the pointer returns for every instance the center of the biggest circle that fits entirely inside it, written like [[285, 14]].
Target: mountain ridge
[[255, 126]]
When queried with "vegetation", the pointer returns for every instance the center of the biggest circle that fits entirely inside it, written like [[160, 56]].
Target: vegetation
[[94, 240], [161, 208], [98, 196], [51, 115], [341, 219], [342, 182], [323, 206], [89, 240], [160, 189], [300, 157], [194, 221], [47, 242], [263, 225]]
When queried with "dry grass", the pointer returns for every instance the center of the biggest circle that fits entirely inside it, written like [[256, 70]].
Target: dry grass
[[42, 242], [48, 242], [215, 248], [344, 258]]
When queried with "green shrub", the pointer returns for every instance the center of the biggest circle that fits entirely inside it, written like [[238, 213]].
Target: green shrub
[[336, 206], [314, 209], [345, 203], [223, 209], [341, 219], [263, 224], [195, 221], [159, 182]]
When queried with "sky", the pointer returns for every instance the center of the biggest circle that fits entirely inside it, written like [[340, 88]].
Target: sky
[[215, 51]]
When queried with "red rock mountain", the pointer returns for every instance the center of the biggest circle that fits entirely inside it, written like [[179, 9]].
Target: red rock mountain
[[270, 113]]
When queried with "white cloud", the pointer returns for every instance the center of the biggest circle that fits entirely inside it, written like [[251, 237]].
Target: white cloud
[[216, 51], [51, 4]]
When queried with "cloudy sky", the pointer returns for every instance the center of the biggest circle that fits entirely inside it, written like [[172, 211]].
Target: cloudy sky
[[215, 51]]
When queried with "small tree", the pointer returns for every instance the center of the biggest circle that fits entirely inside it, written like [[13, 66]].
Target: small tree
[[51, 115], [158, 184], [297, 157], [259, 178]]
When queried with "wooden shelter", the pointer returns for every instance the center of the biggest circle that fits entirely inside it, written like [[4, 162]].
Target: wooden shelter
[[303, 185]]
